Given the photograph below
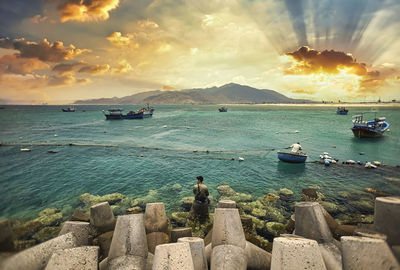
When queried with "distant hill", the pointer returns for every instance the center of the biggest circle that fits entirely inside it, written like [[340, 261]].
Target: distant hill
[[227, 94]]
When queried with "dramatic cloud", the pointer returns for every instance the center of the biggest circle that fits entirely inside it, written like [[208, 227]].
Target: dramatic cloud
[[303, 91], [310, 61], [65, 68], [44, 51], [118, 39], [86, 10], [17, 65], [38, 19], [123, 67], [67, 79], [95, 69]]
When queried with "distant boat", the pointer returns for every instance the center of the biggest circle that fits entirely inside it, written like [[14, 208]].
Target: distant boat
[[69, 109], [140, 114], [342, 111], [292, 157], [223, 109], [369, 129]]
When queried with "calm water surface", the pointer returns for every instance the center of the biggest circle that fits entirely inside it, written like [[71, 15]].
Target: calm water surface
[[178, 143]]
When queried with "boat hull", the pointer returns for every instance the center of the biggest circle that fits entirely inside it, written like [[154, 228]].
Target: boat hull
[[292, 157], [342, 112], [366, 133]]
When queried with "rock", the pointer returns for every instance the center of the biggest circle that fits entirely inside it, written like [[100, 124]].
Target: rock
[[47, 212], [20, 245], [363, 206], [177, 187], [90, 200], [6, 237], [226, 191], [104, 242], [284, 192], [354, 219], [79, 215], [274, 214], [274, 229], [332, 208], [46, 233], [344, 194], [179, 219], [74, 258], [134, 210], [259, 213], [375, 192], [150, 197], [179, 233], [270, 198], [309, 194], [186, 203]]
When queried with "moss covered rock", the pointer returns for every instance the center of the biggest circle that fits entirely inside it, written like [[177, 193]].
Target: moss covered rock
[[186, 203], [274, 229], [46, 233], [332, 208], [179, 219], [90, 200]]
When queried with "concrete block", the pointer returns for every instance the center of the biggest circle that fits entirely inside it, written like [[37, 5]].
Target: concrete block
[[387, 218], [156, 238], [367, 254], [227, 228], [36, 258], [102, 217], [129, 237], [127, 262], [79, 229], [6, 237], [180, 232], [82, 258], [332, 256], [257, 258], [197, 250], [369, 233], [175, 256], [310, 222], [296, 253], [226, 204], [155, 218], [228, 257], [104, 242], [149, 262], [103, 265], [208, 252]]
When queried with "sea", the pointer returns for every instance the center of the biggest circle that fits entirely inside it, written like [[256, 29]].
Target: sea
[[89, 154]]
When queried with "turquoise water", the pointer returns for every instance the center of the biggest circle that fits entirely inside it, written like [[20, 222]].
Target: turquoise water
[[174, 146]]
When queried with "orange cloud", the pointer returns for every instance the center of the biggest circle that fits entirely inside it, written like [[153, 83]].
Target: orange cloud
[[68, 79], [95, 69], [303, 91], [123, 67], [86, 10], [44, 51], [64, 68], [38, 19], [118, 39], [18, 65], [309, 61], [168, 87]]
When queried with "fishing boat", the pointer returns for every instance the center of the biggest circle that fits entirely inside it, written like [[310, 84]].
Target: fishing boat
[[223, 109], [69, 109], [140, 114], [292, 157], [342, 111], [369, 129]]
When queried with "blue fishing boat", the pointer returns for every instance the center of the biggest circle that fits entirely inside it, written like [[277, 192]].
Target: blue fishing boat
[[342, 111], [369, 129], [116, 114], [69, 109], [292, 157]]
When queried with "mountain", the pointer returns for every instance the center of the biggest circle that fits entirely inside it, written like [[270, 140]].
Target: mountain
[[227, 94]]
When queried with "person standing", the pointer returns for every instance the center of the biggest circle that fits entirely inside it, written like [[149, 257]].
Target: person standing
[[201, 201], [295, 147]]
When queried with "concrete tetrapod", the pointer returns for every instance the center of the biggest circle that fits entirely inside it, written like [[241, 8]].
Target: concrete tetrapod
[[36, 258], [129, 243], [296, 253], [156, 238], [197, 250], [228, 257], [257, 258], [310, 222], [387, 218], [367, 254], [175, 256], [226, 204], [227, 228], [82, 258], [180, 232], [79, 229], [102, 217], [155, 219]]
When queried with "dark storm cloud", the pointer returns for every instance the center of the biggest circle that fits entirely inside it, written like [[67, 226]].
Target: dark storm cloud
[[296, 13]]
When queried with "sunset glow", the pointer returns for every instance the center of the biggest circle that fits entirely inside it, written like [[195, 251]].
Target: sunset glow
[[64, 50]]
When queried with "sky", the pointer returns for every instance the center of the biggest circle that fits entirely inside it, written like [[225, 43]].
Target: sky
[[59, 51]]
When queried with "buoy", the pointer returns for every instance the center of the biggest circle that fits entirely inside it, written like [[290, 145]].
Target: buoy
[[377, 163], [296, 131], [369, 165], [25, 150], [232, 158], [241, 159], [359, 162], [350, 161], [55, 135], [333, 161], [164, 126], [195, 151], [362, 153], [327, 162]]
